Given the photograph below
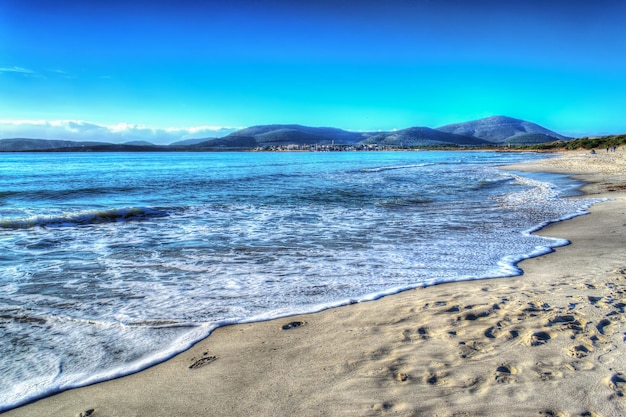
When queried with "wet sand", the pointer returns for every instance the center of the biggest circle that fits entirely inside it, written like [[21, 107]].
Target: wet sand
[[551, 342]]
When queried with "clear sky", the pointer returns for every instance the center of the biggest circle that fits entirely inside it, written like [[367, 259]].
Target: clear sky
[[90, 68]]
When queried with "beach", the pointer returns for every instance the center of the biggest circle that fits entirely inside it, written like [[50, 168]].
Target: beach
[[550, 342]]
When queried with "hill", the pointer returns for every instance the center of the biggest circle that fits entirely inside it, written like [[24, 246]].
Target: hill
[[272, 135], [496, 130], [277, 135], [502, 130], [23, 144], [491, 131], [595, 142], [139, 143], [189, 142], [226, 143], [422, 136]]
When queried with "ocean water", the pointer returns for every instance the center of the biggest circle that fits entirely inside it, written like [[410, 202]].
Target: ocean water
[[112, 262]]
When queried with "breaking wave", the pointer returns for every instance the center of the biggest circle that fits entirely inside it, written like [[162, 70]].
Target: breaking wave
[[84, 218]]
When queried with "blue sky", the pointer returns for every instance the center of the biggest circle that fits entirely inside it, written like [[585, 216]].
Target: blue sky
[[162, 70]]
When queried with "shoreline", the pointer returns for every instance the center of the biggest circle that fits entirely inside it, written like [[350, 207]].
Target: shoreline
[[493, 346]]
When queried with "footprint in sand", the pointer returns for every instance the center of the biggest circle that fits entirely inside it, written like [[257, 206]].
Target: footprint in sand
[[432, 378], [293, 325], [603, 326], [580, 366], [548, 375], [496, 331], [578, 351], [567, 321], [539, 338], [385, 406], [379, 354], [617, 383], [546, 371], [473, 385], [499, 331], [470, 349], [406, 336], [552, 413], [491, 332], [453, 309], [513, 334], [402, 377], [477, 315], [504, 374], [423, 333], [204, 360], [535, 307], [594, 300]]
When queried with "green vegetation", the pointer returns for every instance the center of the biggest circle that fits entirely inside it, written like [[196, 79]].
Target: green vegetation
[[600, 142]]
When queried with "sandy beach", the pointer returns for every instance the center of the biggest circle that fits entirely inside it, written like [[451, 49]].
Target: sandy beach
[[551, 342]]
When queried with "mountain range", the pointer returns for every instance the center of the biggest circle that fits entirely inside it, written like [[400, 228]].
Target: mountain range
[[490, 131]]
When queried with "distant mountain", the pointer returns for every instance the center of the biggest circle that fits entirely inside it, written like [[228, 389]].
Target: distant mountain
[[139, 143], [502, 130], [189, 142], [227, 142], [279, 135], [422, 136], [22, 144], [497, 130], [530, 139], [273, 135], [491, 131], [46, 145]]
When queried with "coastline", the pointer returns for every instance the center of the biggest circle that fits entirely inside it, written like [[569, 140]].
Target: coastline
[[549, 341]]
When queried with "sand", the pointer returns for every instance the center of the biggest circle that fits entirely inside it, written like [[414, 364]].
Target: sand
[[548, 343]]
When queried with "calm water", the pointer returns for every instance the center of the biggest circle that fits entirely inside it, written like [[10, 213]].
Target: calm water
[[112, 262]]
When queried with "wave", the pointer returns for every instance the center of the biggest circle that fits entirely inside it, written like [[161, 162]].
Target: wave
[[8, 193], [65, 194], [490, 183], [84, 218], [381, 169], [400, 203]]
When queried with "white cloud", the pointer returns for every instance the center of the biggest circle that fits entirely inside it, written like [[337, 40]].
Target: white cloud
[[59, 73], [80, 130], [19, 70]]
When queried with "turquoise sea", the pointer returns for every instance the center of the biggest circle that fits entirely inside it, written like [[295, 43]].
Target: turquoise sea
[[111, 262]]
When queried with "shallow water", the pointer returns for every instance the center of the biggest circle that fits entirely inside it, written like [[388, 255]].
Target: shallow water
[[112, 262]]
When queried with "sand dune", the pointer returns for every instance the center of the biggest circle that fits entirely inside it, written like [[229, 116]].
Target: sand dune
[[549, 343]]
